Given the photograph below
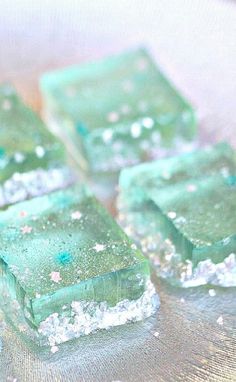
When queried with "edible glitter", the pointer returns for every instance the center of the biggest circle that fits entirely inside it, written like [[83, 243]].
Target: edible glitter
[[107, 135], [171, 214], [26, 229], [148, 122], [99, 247], [220, 320], [55, 277], [40, 151], [135, 130], [191, 188], [54, 349], [76, 215], [212, 292]]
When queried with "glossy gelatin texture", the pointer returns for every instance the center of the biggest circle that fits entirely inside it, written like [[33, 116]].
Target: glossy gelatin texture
[[118, 111], [191, 201], [62, 255], [31, 158]]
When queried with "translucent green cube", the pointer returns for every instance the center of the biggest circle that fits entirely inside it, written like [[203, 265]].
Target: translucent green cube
[[32, 160], [118, 112], [181, 211], [67, 269]]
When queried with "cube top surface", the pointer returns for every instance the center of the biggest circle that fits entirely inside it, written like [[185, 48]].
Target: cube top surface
[[61, 239], [21, 130], [115, 91], [196, 192]]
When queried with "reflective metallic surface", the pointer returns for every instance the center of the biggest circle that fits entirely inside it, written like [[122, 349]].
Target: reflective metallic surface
[[193, 336]]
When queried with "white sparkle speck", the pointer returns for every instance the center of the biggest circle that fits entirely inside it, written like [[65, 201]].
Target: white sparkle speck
[[220, 320], [19, 157], [55, 277], [135, 130], [76, 215], [171, 215], [107, 135], [26, 229], [40, 152], [166, 175], [148, 122], [99, 247], [54, 349], [212, 292], [191, 188]]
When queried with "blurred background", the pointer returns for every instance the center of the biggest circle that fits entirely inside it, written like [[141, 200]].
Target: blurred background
[[193, 41]]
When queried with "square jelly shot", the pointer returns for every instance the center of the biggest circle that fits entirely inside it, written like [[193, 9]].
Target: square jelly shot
[[117, 112], [32, 160], [67, 269], [181, 212]]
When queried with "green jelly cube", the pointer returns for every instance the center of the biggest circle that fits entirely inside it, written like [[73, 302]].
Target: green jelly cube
[[118, 111], [67, 269], [32, 161], [190, 201]]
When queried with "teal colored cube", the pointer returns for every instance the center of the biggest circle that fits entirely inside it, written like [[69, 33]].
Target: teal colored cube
[[181, 210], [32, 160], [118, 111], [67, 269]]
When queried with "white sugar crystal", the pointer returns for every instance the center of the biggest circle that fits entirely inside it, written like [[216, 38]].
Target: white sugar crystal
[[86, 317], [54, 349], [34, 183], [171, 215], [212, 292], [220, 320], [135, 130]]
